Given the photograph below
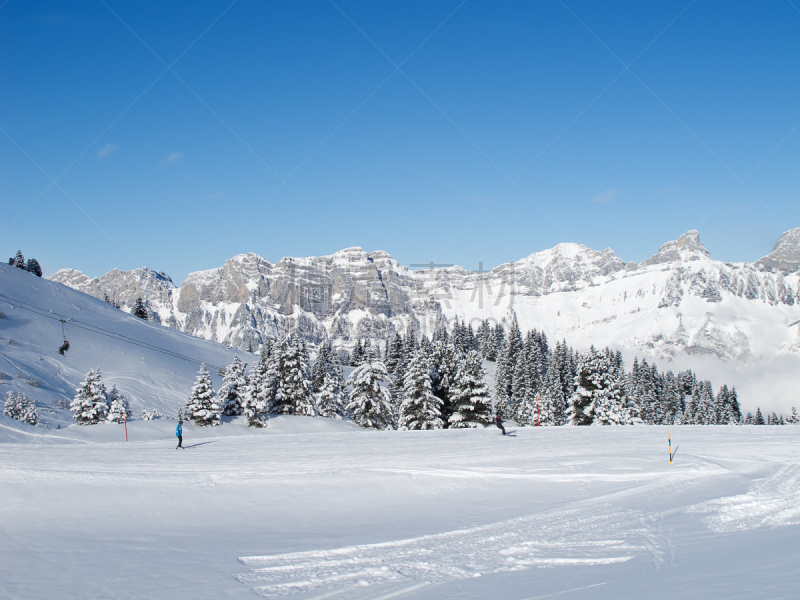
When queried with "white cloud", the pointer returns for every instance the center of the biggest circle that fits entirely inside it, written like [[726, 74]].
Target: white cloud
[[604, 196], [106, 150], [174, 157]]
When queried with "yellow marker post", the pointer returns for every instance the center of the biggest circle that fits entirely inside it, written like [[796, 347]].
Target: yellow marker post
[[669, 439]]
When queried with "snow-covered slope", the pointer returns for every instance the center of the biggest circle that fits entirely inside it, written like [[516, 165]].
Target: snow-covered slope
[[317, 508], [30, 364], [733, 322]]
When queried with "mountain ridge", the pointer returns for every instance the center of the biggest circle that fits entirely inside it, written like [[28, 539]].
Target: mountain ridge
[[678, 305]]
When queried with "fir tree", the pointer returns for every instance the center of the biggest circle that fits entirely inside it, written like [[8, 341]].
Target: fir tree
[[472, 405], [139, 309], [34, 267], [257, 400], [370, 402], [552, 408], [118, 408], [293, 393], [19, 260], [329, 400], [443, 361], [357, 355], [395, 357], [90, 404], [599, 395], [234, 388], [202, 407], [420, 408], [793, 418], [758, 419], [18, 406]]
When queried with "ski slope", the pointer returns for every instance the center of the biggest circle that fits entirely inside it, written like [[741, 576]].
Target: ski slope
[[137, 364], [314, 508]]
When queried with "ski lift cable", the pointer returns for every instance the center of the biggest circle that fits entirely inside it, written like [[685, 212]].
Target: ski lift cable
[[100, 331], [71, 321], [131, 341]]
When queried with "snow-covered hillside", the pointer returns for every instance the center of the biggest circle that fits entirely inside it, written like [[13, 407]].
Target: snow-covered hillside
[[737, 323], [29, 339]]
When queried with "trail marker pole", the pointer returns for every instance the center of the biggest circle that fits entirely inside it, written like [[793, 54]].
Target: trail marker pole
[[537, 410], [125, 420], [669, 439]]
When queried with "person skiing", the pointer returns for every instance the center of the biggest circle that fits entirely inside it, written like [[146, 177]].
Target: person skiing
[[499, 422], [179, 435]]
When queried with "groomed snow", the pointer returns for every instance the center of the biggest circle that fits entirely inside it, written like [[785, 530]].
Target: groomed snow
[[315, 508]]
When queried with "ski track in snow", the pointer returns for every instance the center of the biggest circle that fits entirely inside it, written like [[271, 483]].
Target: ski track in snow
[[567, 537], [772, 501]]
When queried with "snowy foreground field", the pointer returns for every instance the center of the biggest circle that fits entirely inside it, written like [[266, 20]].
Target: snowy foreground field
[[312, 508]]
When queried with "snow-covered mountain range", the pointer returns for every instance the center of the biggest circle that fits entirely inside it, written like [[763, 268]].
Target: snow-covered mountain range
[[738, 321]]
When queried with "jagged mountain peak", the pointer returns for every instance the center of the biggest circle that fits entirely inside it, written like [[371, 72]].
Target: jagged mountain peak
[[785, 256], [686, 248]]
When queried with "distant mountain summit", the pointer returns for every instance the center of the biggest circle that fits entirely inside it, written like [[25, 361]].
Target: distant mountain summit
[[785, 257], [686, 248]]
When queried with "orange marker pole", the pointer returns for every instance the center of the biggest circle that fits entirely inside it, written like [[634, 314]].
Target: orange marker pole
[[669, 439], [125, 420]]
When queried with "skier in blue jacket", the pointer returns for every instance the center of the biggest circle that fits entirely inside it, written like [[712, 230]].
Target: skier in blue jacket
[[179, 435]]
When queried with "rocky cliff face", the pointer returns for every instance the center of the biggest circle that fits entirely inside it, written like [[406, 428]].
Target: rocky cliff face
[[785, 257], [677, 302]]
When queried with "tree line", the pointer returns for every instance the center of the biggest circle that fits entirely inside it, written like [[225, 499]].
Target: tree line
[[416, 382]]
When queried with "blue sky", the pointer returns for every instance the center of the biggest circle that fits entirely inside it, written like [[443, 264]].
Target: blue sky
[[449, 131]]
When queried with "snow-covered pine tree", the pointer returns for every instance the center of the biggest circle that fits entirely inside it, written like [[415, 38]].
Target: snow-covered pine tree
[[90, 404], [552, 404], [611, 407], [320, 365], [202, 407], [139, 309], [395, 358], [589, 384], [293, 393], [370, 402], [758, 419], [18, 406], [734, 410], [329, 400], [257, 399], [472, 404], [118, 408], [793, 418], [19, 260], [357, 355], [443, 362], [519, 388], [12, 407], [420, 408], [484, 336], [234, 388], [503, 376]]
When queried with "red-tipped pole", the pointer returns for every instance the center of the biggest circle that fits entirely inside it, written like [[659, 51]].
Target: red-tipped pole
[[125, 420]]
